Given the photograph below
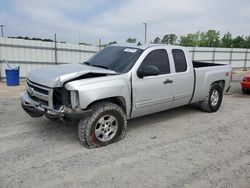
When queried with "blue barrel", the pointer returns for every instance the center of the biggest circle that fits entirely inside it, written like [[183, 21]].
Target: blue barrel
[[12, 77]]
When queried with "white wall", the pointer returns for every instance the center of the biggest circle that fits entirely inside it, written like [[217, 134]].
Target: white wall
[[30, 54]]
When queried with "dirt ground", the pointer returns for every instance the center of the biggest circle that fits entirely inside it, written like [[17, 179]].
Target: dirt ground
[[183, 147]]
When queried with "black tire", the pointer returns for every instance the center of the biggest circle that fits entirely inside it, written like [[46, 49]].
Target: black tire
[[207, 105], [87, 127], [51, 118]]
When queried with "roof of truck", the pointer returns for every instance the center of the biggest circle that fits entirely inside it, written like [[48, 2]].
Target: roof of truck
[[145, 46]]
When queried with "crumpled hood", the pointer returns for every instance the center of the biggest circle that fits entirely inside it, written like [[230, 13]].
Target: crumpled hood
[[57, 75]]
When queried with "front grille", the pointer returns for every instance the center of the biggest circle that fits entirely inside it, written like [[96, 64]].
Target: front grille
[[43, 102], [46, 92], [39, 93]]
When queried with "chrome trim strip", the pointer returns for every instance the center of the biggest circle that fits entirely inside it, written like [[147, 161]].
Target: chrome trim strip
[[35, 85], [152, 103], [35, 93], [39, 95], [50, 99], [27, 101], [182, 96]]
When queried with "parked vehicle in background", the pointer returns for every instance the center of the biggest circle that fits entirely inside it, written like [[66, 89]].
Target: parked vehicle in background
[[245, 83], [120, 83]]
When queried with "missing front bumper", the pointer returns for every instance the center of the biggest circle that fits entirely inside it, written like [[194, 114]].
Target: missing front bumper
[[35, 109], [33, 112]]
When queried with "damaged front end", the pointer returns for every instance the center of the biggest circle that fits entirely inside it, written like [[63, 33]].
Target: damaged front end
[[45, 93], [58, 103]]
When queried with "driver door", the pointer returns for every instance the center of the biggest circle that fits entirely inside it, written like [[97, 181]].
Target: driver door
[[153, 93]]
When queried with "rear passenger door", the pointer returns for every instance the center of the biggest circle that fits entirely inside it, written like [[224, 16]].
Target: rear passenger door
[[183, 79], [153, 93]]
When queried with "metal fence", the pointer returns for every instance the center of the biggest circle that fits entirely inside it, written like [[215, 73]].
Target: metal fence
[[237, 57], [30, 54]]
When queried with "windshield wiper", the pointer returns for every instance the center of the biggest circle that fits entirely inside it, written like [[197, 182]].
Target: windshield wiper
[[85, 62], [101, 66]]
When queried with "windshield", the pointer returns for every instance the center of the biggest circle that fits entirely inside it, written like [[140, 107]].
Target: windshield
[[116, 58]]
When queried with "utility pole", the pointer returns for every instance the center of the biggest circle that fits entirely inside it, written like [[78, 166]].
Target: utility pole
[[55, 48], [145, 24], [2, 29]]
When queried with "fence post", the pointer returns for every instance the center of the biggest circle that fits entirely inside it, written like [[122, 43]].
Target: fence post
[[193, 53], [230, 57], [55, 49], [100, 44], [245, 62], [214, 55], [1, 62], [0, 69]]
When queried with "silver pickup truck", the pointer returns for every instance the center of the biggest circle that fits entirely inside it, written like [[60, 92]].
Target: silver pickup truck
[[120, 83]]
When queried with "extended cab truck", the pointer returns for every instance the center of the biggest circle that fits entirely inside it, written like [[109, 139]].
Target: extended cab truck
[[120, 83]]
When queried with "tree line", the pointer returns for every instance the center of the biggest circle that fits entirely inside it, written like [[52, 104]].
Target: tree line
[[34, 38], [210, 38]]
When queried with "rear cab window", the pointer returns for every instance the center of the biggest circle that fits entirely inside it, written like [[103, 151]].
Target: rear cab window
[[179, 60]]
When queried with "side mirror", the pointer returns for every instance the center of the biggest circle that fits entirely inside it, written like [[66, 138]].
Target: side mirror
[[148, 70]]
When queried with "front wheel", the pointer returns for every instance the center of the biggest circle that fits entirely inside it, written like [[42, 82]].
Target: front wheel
[[213, 100], [106, 125], [51, 118]]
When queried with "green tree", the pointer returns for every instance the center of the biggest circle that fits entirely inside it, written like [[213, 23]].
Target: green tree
[[226, 41], [131, 40], [169, 39], [190, 39], [211, 38], [85, 44], [247, 42], [157, 40], [113, 42], [239, 42], [203, 39]]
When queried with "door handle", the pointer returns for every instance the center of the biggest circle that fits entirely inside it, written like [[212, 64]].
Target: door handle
[[167, 81]]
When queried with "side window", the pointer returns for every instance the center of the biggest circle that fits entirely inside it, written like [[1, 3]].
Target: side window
[[158, 58], [179, 60]]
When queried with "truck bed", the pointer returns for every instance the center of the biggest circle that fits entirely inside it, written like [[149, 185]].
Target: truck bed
[[204, 76], [198, 64]]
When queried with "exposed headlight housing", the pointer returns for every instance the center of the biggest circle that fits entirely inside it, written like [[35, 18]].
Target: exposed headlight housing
[[74, 98]]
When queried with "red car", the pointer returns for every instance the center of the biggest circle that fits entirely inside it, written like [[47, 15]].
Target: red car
[[245, 83]]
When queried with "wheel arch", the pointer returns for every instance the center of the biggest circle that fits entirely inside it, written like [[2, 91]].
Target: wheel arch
[[221, 83], [119, 100]]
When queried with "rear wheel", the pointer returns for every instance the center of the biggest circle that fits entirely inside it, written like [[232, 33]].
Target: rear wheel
[[213, 100], [106, 125]]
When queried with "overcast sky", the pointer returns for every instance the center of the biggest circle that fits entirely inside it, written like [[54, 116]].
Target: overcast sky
[[119, 19]]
